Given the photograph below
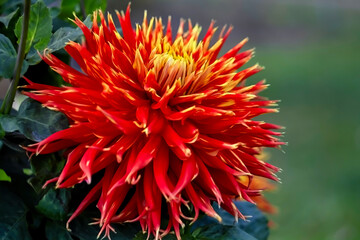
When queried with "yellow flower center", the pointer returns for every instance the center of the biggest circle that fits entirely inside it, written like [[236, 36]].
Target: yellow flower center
[[170, 66]]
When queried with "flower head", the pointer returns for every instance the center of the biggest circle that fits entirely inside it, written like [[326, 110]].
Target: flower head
[[167, 121]]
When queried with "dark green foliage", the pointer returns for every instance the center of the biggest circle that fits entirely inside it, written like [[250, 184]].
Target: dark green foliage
[[13, 158], [220, 232], [54, 204], [8, 58], [6, 19], [34, 121], [40, 27], [40, 35], [13, 224], [64, 34], [43, 168], [55, 231], [6, 6], [255, 227]]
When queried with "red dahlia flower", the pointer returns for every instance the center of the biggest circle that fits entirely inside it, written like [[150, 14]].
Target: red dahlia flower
[[168, 121]]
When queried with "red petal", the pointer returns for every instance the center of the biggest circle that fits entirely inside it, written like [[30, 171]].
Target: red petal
[[147, 153], [189, 171], [90, 155], [161, 166]]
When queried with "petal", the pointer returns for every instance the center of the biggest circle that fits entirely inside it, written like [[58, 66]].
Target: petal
[[189, 171], [147, 153], [160, 168]]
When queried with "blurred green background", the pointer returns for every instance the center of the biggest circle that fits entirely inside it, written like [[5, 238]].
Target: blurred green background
[[311, 51]]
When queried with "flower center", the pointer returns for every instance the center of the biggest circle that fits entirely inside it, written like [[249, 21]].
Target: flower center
[[170, 65]]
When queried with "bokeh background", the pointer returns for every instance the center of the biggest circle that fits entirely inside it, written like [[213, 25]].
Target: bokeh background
[[311, 51]]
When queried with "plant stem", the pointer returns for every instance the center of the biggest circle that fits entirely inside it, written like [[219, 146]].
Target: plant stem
[[10, 94]]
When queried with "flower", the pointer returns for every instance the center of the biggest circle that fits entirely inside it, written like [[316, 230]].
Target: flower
[[166, 121]]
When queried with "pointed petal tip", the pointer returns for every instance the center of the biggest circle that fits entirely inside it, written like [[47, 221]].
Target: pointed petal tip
[[68, 226]]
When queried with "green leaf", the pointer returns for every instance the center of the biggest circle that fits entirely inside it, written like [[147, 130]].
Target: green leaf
[[55, 231], [62, 36], [222, 232], [4, 176], [33, 56], [54, 204], [54, 12], [28, 171], [9, 123], [8, 58], [255, 228], [40, 27], [65, 34], [15, 141], [44, 167], [92, 5], [38, 121], [34, 121], [58, 41], [35, 221], [6, 46], [7, 6], [13, 225], [13, 161], [6, 19], [257, 224]]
